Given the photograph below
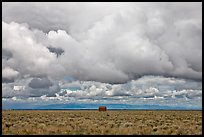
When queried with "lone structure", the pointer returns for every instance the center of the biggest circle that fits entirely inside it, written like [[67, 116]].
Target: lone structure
[[102, 108]]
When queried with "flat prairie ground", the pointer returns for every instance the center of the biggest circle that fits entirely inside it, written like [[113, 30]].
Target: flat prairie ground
[[111, 122]]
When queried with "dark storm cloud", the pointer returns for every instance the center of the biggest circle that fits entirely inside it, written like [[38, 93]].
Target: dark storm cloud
[[6, 80], [40, 83], [50, 92], [57, 51], [6, 54]]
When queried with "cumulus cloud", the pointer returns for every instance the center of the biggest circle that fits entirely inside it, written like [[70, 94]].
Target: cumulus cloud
[[44, 42], [30, 87], [8, 74], [133, 92], [147, 87]]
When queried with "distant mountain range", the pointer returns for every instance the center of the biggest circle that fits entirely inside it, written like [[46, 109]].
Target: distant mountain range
[[77, 106]]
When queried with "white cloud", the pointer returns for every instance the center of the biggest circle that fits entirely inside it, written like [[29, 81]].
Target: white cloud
[[18, 88], [9, 73], [149, 87], [122, 43]]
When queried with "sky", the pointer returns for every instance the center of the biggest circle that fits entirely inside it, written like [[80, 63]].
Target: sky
[[128, 53]]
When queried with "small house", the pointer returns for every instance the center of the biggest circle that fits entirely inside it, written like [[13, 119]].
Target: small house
[[102, 108]]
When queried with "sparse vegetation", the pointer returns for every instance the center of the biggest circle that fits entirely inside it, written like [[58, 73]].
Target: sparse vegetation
[[78, 122]]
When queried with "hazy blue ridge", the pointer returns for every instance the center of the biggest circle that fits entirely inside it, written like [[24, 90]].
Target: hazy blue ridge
[[77, 106]]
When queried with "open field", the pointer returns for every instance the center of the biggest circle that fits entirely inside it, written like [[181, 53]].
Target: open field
[[124, 122]]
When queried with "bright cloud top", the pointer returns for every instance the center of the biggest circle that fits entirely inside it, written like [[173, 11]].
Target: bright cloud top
[[125, 41]]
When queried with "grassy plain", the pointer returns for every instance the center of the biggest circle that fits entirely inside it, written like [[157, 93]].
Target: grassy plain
[[111, 122]]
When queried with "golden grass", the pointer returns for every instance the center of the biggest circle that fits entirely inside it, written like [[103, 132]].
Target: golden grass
[[111, 122]]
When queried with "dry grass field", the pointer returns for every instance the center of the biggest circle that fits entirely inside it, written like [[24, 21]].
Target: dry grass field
[[78, 122]]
